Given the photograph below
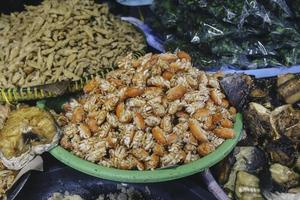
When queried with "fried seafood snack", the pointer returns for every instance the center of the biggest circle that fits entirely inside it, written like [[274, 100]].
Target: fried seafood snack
[[7, 178], [156, 111], [26, 132]]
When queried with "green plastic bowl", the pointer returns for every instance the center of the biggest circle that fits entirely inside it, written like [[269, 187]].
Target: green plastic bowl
[[158, 175]]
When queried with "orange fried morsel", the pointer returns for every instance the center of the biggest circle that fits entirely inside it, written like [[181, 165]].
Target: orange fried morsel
[[157, 90], [184, 55], [225, 103], [92, 124], [153, 60], [115, 82], [110, 142], [197, 131], [62, 121], [209, 102], [159, 150], [226, 123], [167, 75], [78, 115], [140, 153], [136, 63], [110, 103], [176, 92], [133, 92], [81, 101], [172, 138], [169, 57], [205, 148], [201, 113], [122, 93], [92, 114], [153, 162], [209, 125], [182, 155], [67, 107], [215, 97], [127, 163], [120, 109], [65, 142], [232, 110], [90, 86], [182, 114], [192, 139], [174, 67], [125, 116], [159, 135], [139, 121], [217, 118], [226, 133], [140, 165], [85, 132]]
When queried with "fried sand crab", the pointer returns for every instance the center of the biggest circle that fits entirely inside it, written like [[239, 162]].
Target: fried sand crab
[[155, 111]]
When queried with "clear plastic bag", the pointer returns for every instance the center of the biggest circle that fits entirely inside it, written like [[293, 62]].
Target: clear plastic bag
[[246, 34]]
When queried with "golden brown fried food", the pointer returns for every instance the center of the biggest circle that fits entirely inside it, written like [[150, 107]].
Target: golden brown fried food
[[7, 177], [26, 132], [162, 112], [26, 127]]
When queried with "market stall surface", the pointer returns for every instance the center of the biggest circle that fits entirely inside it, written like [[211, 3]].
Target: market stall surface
[[58, 177]]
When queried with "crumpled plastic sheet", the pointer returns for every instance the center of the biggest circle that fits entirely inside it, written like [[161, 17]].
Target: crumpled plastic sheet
[[248, 34], [135, 2], [152, 40], [263, 73]]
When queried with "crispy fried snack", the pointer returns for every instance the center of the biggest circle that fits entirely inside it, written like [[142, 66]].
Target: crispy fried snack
[[152, 112]]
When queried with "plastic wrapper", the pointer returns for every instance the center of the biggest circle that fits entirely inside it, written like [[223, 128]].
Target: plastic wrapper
[[247, 34]]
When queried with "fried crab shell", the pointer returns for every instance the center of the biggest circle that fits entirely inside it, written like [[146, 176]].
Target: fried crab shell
[[156, 111]]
